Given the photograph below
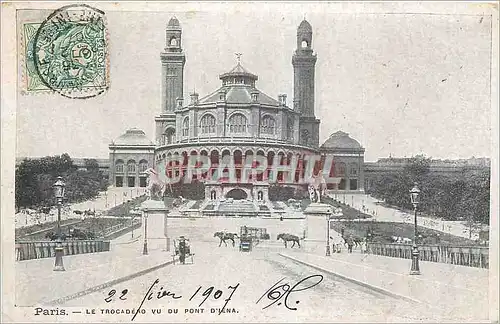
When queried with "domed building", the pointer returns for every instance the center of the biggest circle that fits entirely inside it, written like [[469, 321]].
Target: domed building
[[237, 120], [239, 123], [130, 155], [348, 161]]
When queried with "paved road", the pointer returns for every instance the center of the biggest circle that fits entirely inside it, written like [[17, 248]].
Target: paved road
[[255, 272]]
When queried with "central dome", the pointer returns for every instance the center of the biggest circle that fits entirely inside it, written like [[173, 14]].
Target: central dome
[[133, 136], [238, 71], [238, 87], [341, 140]]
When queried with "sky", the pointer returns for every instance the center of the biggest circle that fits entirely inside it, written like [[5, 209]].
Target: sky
[[400, 84]]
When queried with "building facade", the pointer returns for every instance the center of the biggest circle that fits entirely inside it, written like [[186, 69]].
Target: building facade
[[237, 122], [348, 156], [130, 155]]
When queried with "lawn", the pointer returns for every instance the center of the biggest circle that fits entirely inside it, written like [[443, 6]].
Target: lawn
[[23, 231], [209, 207], [197, 204], [124, 209], [91, 224], [383, 231], [276, 206], [348, 212]]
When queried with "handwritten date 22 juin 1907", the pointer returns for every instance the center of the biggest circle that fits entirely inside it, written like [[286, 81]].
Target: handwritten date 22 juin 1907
[[276, 293]]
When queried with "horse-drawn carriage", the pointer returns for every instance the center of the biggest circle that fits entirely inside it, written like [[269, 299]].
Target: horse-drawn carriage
[[245, 243], [183, 250], [246, 239]]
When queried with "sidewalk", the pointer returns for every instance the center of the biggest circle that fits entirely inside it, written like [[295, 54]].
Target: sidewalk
[[456, 292], [37, 283]]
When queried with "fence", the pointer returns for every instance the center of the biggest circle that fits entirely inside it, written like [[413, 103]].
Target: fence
[[470, 256], [116, 231], [44, 249]]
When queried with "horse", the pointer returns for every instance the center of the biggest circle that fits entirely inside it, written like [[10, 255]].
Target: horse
[[155, 186], [357, 240], [289, 237], [223, 236]]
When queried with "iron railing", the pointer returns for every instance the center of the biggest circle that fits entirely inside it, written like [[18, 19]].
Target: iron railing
[[470, 256], [29, 250]]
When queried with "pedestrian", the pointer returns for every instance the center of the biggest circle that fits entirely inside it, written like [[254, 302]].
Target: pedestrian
[[350, 243], [363, 246]]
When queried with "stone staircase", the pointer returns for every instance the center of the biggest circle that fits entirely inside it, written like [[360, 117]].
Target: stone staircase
[[237, 206]]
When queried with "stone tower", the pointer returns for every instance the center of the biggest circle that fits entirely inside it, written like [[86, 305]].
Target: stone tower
[[172, 82], [304, 62]]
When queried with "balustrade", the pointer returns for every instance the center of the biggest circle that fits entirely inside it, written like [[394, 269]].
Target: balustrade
[[471, 256], [44, 249]]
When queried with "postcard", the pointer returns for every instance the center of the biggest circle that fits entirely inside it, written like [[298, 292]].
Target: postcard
[[187, 162]]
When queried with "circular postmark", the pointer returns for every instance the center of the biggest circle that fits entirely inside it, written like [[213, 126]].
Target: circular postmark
[[70, 52]]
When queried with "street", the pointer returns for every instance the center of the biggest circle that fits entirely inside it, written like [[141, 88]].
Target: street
[[251, 275]]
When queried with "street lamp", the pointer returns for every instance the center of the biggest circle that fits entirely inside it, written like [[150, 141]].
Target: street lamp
[[328, 234], [415, 269], [59, 194], [145, 249]]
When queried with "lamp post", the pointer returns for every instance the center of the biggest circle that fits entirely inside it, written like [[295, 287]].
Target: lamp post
[[59, 194], [328, 235], [145, 249], [415, 269]]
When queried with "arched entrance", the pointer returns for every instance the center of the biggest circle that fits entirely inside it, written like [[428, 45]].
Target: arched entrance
[[237, 194]]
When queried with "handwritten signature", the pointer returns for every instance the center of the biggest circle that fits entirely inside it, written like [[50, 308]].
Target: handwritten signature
[[280, 293]]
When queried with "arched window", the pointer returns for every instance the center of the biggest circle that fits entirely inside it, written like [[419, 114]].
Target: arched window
[[267, 126], [169, 136], [173, 42], [237, 123], [119, 166], [143, 165], [341, 168], [207, 124], [304, 44], [131, 166], [289, 129], [353, 169], [305, 137], [185, 127]]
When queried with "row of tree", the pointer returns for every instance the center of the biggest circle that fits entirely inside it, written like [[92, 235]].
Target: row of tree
[[35, 179], [462, 195]]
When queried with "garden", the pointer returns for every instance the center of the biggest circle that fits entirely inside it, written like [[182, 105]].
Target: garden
[[382, 232]]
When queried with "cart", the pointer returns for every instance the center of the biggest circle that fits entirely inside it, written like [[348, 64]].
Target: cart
[[245, 243], [183, 250]]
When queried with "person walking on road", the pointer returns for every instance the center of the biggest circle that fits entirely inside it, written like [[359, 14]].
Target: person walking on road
[[350, 243]]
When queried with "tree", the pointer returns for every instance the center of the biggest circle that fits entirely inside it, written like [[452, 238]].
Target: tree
[[463, 195], [91, 165], [35, 179]]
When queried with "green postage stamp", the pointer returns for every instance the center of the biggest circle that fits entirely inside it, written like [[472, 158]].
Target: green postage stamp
[[66, 53]]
